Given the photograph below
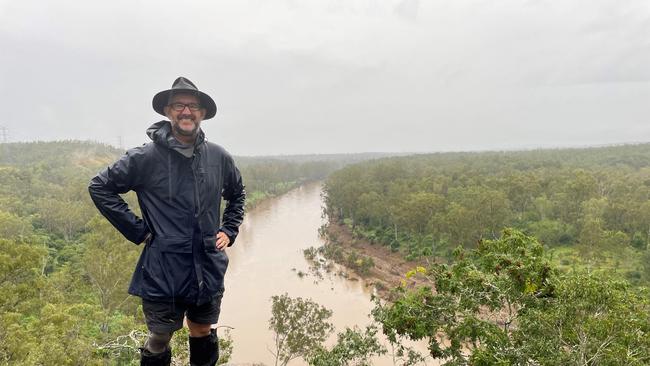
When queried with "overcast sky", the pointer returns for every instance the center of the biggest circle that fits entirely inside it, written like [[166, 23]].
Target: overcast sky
[[300, 76]]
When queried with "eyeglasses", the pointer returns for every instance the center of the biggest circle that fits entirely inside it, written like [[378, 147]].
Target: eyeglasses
[[181, 106]]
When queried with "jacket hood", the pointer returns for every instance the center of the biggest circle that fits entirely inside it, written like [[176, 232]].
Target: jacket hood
[[161, 133]]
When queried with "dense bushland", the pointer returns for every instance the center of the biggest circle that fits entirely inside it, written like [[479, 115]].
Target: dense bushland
[[64, 271], [590, 206], [504, 303]]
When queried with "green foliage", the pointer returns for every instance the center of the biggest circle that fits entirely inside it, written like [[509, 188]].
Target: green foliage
[[226, 346], [64, 271], [350, 258], [353, 347], [592, 320], [181, 348], [58, 335], [109, 277], [57, 153], [299, 326], [13, 227], [552, 232], [21, 275], [62, 217], [504, 304], [268, 177], [597, 199], [359, 263]]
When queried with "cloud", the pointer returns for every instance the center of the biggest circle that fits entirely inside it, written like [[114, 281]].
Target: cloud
[[333, 76]]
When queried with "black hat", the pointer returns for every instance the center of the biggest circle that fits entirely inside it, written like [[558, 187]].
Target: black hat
[[183, 85]]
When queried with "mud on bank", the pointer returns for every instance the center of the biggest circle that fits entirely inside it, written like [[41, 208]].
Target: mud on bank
[[388, 268]]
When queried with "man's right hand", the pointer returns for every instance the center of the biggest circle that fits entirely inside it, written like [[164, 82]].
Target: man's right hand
[[222, 240]]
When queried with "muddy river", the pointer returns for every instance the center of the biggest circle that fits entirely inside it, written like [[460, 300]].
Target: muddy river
[[266, 260]]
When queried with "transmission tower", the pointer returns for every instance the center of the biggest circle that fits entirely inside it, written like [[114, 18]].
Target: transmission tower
[[4, 132]]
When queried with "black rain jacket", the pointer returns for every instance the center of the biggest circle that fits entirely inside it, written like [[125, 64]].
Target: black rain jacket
[[180, 201]]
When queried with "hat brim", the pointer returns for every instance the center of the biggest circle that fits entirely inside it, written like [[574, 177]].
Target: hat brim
[[161, 99]]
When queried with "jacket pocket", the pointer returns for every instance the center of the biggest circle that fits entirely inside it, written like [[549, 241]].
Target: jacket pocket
[[214, 271], [210, 244], [170, 244], [153, 283]]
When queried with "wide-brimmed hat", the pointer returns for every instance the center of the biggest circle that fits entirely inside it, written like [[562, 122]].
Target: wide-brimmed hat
[[184, 85]]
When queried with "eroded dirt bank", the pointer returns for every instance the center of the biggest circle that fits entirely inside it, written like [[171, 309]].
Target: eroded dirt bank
[[389, 267]]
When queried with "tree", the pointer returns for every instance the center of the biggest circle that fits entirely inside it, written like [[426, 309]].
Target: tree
[[644, 215], [593, 319], [543, 207], [22, 265], [353, 347], [578, 189], [12, 226], [503, 304], [552, 232], [60, 334], [299, 326], [64, 218], [417, 209], [108, 263]]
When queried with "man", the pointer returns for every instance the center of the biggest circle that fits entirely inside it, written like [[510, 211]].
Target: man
[[179, 179]]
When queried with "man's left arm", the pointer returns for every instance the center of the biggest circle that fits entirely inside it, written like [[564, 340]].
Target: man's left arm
[[235, 197]]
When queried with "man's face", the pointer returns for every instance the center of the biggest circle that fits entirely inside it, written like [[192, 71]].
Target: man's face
[[185, 122]]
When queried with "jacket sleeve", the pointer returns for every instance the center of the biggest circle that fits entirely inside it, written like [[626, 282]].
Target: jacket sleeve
[[105, 189], [235, 197]]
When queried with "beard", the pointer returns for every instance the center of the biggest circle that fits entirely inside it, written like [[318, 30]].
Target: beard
[[177, 126]]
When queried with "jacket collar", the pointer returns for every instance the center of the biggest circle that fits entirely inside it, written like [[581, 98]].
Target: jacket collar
[[161, 134]]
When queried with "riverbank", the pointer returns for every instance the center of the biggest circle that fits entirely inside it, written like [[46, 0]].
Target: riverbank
[[254, 198], [257, 197], [266, 261], [389, 268]]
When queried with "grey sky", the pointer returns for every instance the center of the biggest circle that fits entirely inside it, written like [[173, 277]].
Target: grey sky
[[302, 76]]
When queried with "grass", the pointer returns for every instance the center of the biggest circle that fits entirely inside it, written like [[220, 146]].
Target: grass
[[628, 262]]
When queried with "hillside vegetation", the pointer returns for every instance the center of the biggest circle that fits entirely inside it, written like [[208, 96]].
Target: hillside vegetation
[[64, 271], [590, 206], [492, 293]]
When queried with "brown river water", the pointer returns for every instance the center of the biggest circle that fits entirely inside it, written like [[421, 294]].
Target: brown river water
[[264, 262]]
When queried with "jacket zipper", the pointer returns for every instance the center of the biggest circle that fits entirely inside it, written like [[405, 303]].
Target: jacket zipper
[[169, 176], [197, 200], [197, 211]]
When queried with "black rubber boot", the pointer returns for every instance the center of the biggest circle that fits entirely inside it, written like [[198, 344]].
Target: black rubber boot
[[155, 359], [204, 351]]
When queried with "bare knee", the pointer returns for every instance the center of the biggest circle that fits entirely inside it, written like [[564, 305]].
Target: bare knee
[[158, 342], [197, 329]]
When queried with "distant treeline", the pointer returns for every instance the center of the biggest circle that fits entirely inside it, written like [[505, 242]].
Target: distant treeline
[[594, 201]]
